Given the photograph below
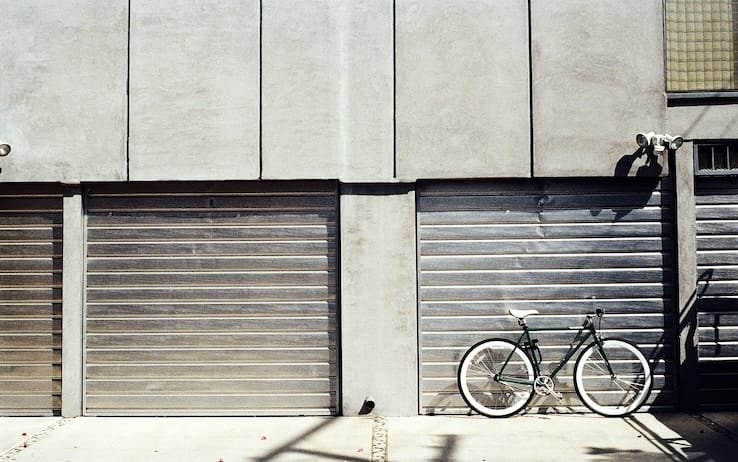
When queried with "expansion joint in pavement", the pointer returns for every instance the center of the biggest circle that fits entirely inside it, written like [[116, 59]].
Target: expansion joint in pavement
[[379, 439], [716, 427], [30, 440]]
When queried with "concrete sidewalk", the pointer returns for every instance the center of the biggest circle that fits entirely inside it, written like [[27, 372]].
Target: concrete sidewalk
[[642, 438]]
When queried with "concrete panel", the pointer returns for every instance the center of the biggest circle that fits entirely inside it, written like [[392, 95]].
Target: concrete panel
[[194, 90], [703, 122], [72, 302], [686, 256], [63, 89], [598, 80], [327, 90], [379, 348], [462, 89]]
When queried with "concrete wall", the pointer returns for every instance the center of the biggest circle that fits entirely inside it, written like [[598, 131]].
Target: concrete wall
[[359, 91], [686, 258], [379, 347], [63, 89], [73, 302], [598, 80], [703, 122], [194, 101], [327, 90], [462, 89]]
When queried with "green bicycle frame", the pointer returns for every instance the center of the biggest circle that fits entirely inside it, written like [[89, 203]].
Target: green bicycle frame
[[525, 338]]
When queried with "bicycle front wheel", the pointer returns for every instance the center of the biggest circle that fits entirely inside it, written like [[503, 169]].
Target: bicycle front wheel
[[491, 386], [616, 390]]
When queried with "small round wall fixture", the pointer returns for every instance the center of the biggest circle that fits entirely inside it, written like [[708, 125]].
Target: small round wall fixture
[[676, 143], [4, 149]]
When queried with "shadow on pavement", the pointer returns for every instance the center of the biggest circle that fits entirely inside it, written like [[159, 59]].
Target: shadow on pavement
[[446, 451], [292, 447], [697, 437], [633, 455]]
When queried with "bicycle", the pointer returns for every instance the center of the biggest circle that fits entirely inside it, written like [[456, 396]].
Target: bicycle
[[498, 377]]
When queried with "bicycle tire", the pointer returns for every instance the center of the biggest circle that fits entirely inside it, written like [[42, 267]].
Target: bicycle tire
[[478, 383], [618, 394]]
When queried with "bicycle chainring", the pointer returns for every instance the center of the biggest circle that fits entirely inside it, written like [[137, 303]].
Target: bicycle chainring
[[543, 385]]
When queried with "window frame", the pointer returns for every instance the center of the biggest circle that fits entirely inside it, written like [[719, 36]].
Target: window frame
[[732, 149], [691, 97]]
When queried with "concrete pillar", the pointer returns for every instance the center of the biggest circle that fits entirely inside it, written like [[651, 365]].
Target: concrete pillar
[[72, 302], [379, 317], [682, 171]]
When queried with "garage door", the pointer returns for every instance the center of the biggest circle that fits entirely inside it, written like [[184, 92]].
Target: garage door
[[211, 299], [30, 300], [717, 304], [564, 248]]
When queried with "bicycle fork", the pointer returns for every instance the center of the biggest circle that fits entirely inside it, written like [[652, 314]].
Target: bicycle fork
[[601, 349]]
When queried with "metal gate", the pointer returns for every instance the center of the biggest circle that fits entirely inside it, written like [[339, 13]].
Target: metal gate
[[207, 299], [717, 291], [30, 299], [563, 247]]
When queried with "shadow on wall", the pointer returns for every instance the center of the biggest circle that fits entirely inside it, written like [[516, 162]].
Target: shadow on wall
[[716, 351], [649, 168]]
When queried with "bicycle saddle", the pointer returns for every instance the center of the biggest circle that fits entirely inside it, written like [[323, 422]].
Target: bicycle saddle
[[522, 314]]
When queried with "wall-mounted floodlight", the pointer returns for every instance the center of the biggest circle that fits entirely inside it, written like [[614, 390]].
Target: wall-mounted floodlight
[[675, 142], [4, 149], [659, 143], [645, 139]]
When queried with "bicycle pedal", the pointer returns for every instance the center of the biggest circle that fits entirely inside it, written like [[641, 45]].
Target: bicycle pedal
[[557, 395]]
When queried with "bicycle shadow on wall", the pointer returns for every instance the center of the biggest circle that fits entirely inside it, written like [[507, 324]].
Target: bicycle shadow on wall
[[711, 320]]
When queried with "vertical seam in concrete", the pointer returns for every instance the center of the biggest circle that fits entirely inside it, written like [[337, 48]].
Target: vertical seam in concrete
[[339, 311], [261, 86], [128, 95], [394, 89], [530, 87], [418, 331]]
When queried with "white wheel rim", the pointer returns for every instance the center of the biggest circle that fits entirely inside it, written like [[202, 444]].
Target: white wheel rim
[[470, 396], [610, 410]]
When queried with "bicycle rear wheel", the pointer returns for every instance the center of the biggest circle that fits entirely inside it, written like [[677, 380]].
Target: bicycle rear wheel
[[480, 384], [618, 390]]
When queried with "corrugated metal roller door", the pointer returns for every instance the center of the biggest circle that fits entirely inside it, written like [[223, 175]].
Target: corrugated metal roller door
[[564, 248], [217, 299], [30, 300], [717, 301]]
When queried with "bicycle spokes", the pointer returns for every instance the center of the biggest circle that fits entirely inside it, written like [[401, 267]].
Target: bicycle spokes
[[495, 378], [613, 378]]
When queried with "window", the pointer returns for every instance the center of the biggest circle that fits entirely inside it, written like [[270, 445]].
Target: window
[[716, 158], [701, 45]]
